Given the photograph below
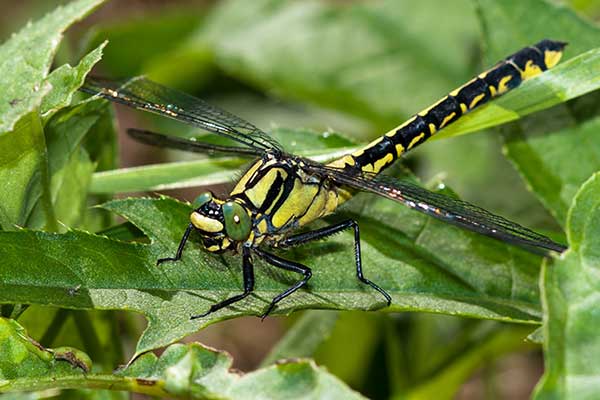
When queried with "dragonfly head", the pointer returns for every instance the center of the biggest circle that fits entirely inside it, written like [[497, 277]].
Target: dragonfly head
[[220, 223]]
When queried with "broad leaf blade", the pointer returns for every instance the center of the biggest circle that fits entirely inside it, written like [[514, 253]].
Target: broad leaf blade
[[70, 167], [571, 294], [182, 372], [27, 57], [473, 276], [66, 80], [22, 162]]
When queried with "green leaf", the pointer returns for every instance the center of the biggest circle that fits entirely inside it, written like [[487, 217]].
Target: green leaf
[[182, 372], [570, 296], [474, 276], [22, 171], [26, 91], [27, 57], [166, 176], [66, 80], [69, 165]]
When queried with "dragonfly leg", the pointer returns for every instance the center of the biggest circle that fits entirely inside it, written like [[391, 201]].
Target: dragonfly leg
[[248, 271], [331, 230], [287, 265], [184, 239]]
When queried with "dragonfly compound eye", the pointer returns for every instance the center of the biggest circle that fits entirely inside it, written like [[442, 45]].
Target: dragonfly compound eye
[[237, 221], [202, 200]]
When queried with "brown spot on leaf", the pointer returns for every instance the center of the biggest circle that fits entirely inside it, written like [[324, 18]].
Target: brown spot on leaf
[[72, 359], [145, 382]]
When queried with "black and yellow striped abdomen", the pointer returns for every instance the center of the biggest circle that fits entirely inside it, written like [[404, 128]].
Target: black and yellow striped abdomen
[[505, 75]]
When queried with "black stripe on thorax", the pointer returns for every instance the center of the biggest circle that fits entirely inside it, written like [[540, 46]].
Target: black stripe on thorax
[[272, 193], [288, 186]]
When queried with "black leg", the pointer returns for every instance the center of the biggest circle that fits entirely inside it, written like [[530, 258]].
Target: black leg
[[184, 239], [248, 285], [287, 265], [331, 230]]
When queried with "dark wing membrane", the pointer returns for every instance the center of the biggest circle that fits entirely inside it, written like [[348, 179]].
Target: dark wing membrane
[[179, 143], [147, 95], [442, 207]]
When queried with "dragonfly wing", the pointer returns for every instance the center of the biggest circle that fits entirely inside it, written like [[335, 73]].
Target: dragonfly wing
[[179, 143], [144, 94], [440, 206]]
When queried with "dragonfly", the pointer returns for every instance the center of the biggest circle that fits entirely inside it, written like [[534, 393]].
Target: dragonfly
[[281, 193]]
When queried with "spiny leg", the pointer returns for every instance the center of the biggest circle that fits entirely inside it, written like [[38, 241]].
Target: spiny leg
[[184, 239], [331, 230], [248, 271], [287, 265]]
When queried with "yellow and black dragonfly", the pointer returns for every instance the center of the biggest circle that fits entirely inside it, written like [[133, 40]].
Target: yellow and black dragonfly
[[281, 193]]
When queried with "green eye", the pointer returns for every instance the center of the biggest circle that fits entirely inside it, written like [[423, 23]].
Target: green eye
[[237, 221], [202, 199]]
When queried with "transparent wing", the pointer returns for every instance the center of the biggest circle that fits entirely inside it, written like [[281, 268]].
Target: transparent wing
[[147, 95], [178, 143], [442, 207]]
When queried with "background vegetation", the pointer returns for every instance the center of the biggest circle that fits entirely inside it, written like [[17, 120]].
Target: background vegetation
[[323, 77]]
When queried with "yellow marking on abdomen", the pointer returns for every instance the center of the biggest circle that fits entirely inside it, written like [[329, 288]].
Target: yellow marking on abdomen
[[447, 119], [476, 100], [399, 149], [551, 58], [342, 162], [531, 70], [415, 140], [382, 162], [502, 88]]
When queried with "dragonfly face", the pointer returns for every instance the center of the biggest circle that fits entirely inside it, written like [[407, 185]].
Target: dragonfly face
[[220, 223]]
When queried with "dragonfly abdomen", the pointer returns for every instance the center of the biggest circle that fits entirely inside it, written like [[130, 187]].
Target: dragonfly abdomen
[[504, 76]]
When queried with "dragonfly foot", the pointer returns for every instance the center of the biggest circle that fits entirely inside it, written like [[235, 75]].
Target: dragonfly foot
[[271, 307], [201, 315], [162, 260]]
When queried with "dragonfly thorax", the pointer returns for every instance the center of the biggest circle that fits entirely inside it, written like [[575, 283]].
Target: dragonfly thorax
[[220, 223]]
